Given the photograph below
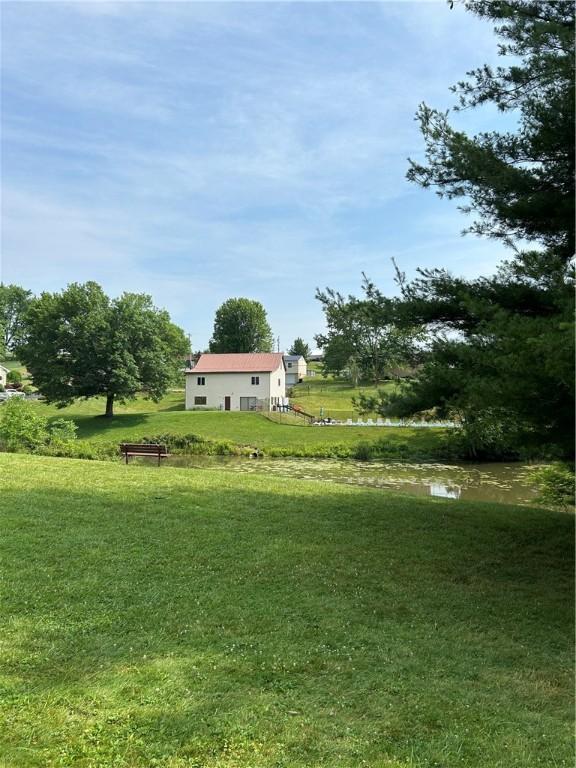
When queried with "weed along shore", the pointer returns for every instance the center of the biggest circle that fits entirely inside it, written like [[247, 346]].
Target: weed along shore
[[206, 618]]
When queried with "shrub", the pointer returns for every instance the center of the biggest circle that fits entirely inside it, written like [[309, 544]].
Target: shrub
[[364, 451], [82, 449], [2, 387], [556, 485], [15, 378], [27, 389], [192, 444], [22, 428], [62, 432]]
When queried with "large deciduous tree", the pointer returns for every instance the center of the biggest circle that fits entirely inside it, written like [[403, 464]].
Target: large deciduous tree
[[241, 325], [82, 344], [501, 348], [365, 330], [14, 302]]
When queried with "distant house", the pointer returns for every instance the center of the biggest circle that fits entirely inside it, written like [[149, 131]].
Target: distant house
[[295, 368], [3, 375], [237, 382]]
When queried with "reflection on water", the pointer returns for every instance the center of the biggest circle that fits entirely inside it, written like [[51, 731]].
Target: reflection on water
[[445, 491], [507, 483]]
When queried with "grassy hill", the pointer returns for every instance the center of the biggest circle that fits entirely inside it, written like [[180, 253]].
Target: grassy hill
[[333, 396], [143, 419], [182, 619]]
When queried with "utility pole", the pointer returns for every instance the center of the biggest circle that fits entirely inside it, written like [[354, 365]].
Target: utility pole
[[189, 351], [278, 344]]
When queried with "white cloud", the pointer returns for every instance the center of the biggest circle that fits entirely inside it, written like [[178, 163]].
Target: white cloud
[[199, 150]]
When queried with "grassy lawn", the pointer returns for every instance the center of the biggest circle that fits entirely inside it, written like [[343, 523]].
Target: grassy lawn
[[143, 418], [12, 365], [334, 396], [164, 618]]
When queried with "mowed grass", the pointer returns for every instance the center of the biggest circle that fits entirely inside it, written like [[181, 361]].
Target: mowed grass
[[196, 619], [143, 418], [332, 397]]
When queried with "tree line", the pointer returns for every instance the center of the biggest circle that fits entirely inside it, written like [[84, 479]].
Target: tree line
[[80, 343], [495, 352]]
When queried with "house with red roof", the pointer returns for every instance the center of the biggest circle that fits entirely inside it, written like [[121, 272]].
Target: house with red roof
[[237, 382]]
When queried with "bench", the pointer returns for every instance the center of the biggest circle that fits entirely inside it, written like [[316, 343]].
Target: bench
[[143, 449]]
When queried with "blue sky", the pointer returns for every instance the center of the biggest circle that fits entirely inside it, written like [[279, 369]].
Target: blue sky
[[199, 151]]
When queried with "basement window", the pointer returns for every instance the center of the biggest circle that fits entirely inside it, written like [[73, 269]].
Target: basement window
[[199, 401]]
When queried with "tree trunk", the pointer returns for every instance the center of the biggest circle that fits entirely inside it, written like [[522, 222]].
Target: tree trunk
[[109, 406]]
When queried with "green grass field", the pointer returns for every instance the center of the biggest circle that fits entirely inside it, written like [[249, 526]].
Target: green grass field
[[13, 365], [164, 618], [143, 418], [333, 396]]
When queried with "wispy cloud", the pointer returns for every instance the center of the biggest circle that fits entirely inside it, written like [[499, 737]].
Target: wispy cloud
[[201, 150]]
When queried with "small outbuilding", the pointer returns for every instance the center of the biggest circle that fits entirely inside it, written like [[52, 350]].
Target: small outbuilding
[[3, 375], [237, 382], [295, 368]]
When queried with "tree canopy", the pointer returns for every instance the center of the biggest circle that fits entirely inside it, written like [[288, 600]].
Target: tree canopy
[[499, 353], [521, 183], [14, 302], [300, 348], [82, 344], [241, 325], [364, 330]]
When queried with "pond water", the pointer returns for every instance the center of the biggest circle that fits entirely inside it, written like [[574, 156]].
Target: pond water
[[507, 483]]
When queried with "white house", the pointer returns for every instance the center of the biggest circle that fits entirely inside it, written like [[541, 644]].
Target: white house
[[237, 382], [3, 374], [295, 368]]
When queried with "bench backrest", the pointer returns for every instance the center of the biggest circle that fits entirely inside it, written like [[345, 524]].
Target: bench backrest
[[151, 448]]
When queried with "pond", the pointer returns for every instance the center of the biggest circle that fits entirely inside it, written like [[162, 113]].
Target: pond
[[506, 483]]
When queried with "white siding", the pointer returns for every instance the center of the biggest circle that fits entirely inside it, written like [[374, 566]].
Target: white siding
[[233, 385]]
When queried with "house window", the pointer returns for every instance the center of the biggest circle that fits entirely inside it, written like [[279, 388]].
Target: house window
[[289, 365], [199, 401], [279, 383], [255, 379], [201, 380]]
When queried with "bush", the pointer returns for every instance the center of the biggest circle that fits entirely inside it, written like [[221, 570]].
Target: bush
[[192, 444], [15, 378], [22, 428], [364, 451], [62, 432], [82, 449], [2, 387], [27, 389], [556, 485]]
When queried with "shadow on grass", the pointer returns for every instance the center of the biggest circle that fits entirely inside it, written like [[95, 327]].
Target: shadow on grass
[[174, 407], [100, 426], [168, 567], [208, 613]]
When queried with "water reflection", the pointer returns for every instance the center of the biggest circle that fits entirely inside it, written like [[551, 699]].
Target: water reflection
[[507, 483], [445, 491]]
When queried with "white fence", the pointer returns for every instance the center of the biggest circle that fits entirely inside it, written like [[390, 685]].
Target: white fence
[[387, 423]]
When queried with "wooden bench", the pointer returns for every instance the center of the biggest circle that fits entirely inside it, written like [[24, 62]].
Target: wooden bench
[[143, 449]]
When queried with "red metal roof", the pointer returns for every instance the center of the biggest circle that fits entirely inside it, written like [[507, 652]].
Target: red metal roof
[[256, 362]]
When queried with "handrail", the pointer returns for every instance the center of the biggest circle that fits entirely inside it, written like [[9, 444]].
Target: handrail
[[299, 412]]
